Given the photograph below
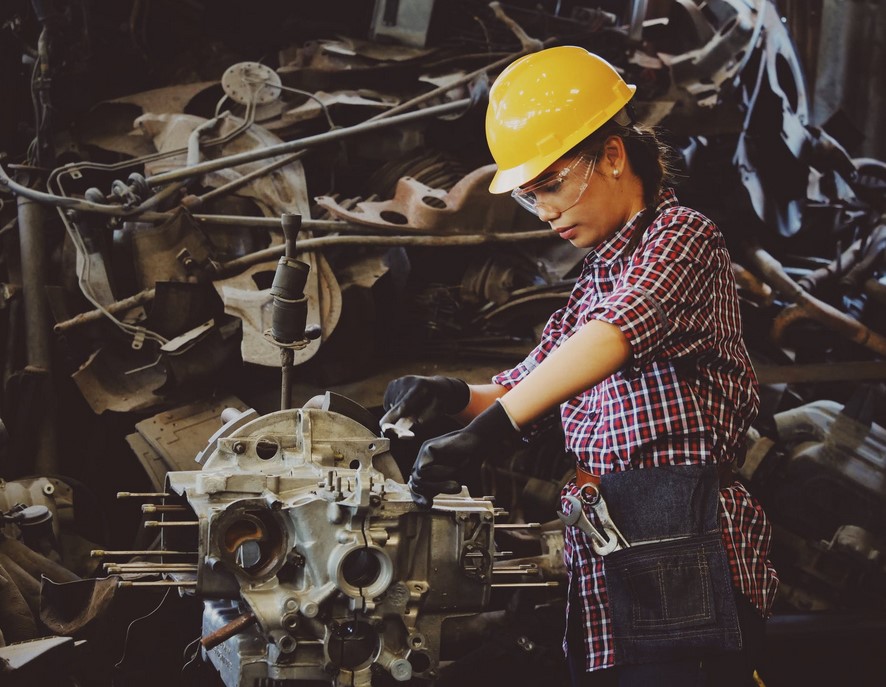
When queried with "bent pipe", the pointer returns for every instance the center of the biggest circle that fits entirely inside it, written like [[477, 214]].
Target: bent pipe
[[807, 306]]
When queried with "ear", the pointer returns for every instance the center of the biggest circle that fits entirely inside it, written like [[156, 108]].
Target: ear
[[614, 153]]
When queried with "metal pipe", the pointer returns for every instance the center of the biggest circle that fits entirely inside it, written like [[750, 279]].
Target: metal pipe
[[245, 179], [287, 357], [307, 142], [94, 315], [119, 569], [807, 306], [239, 264], [172, 523], [235, 627], [635, 21], [274, 223], [162, 508], [32, 246], [141, 494], [159, 583], [32, 243], [99, 553]]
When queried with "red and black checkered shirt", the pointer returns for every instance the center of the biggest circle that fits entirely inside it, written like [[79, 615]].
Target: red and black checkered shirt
[[686, 397]]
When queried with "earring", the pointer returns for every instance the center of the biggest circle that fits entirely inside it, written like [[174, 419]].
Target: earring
[[615, 173]]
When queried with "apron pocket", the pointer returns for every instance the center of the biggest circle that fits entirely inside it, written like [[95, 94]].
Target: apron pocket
[[671, 600]]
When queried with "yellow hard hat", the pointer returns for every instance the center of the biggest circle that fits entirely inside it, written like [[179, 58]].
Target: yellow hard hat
[[545, 103]]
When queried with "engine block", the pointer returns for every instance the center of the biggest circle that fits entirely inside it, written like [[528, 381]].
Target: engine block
[[315, 565]]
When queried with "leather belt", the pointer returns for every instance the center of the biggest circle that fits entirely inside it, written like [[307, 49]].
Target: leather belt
[[583, 477], [726, 473]]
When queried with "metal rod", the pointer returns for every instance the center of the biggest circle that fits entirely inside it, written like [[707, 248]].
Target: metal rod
[[325, 225], [515, 571], [450, 241], [150, 564], [162, 508], [525, 584], [517, 526], [497, 554], [287, 356], [236, 626], [172, 523], [120, 569], [99, 553], [94, 315], [157, 583], [140, 494], [33, 254], [307, 142], [246, 178]]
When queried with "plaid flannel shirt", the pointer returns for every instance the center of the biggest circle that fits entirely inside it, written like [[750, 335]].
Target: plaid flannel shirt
[[686, 397]]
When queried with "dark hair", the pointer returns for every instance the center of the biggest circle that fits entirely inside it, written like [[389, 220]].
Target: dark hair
[[651, 158]]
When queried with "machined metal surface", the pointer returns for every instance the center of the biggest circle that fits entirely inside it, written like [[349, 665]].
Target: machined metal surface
[[304, 522]]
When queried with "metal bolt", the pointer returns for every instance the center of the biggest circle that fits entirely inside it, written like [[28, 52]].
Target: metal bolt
[[240, 448]]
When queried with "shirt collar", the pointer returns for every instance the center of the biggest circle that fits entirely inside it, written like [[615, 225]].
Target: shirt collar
[[614, 246]]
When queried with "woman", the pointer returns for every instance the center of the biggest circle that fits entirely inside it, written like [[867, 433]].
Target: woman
[[653, 383]]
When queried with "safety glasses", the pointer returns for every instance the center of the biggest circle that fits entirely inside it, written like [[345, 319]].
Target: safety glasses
[[557, 191]]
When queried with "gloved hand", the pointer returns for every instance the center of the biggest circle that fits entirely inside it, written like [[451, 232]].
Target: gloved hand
[[441, 459], [422, 399]]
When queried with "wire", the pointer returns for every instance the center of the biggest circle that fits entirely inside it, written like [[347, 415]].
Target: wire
[[129, 627], [190, 661], [312, 97]]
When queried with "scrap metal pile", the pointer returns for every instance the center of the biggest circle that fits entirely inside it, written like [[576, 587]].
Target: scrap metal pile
[[153, 180]]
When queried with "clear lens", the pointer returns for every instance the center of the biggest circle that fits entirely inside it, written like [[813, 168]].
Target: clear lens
[[558, 191]]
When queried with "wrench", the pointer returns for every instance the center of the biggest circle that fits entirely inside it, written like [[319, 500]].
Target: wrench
[[576, 518], [591, 495]]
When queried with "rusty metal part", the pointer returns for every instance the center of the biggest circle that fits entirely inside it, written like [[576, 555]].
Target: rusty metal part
[[140, 298], [466, 208], [236, 626]]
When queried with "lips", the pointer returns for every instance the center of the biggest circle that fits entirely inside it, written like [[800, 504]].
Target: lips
[[566, 233]]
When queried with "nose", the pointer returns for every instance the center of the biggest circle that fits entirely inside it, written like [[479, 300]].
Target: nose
[[547, 213]]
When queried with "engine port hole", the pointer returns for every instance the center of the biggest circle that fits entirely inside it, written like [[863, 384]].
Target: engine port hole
[[361, 568], [266, 448], [352, 644]]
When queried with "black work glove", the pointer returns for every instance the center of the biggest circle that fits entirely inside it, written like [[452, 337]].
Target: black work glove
[[421, 399], [440, 460]]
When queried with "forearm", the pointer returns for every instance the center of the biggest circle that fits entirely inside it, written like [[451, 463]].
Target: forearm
[[593, 353], [482, 396]]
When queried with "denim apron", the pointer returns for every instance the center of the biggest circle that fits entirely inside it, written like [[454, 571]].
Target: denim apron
[[670, 591]]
